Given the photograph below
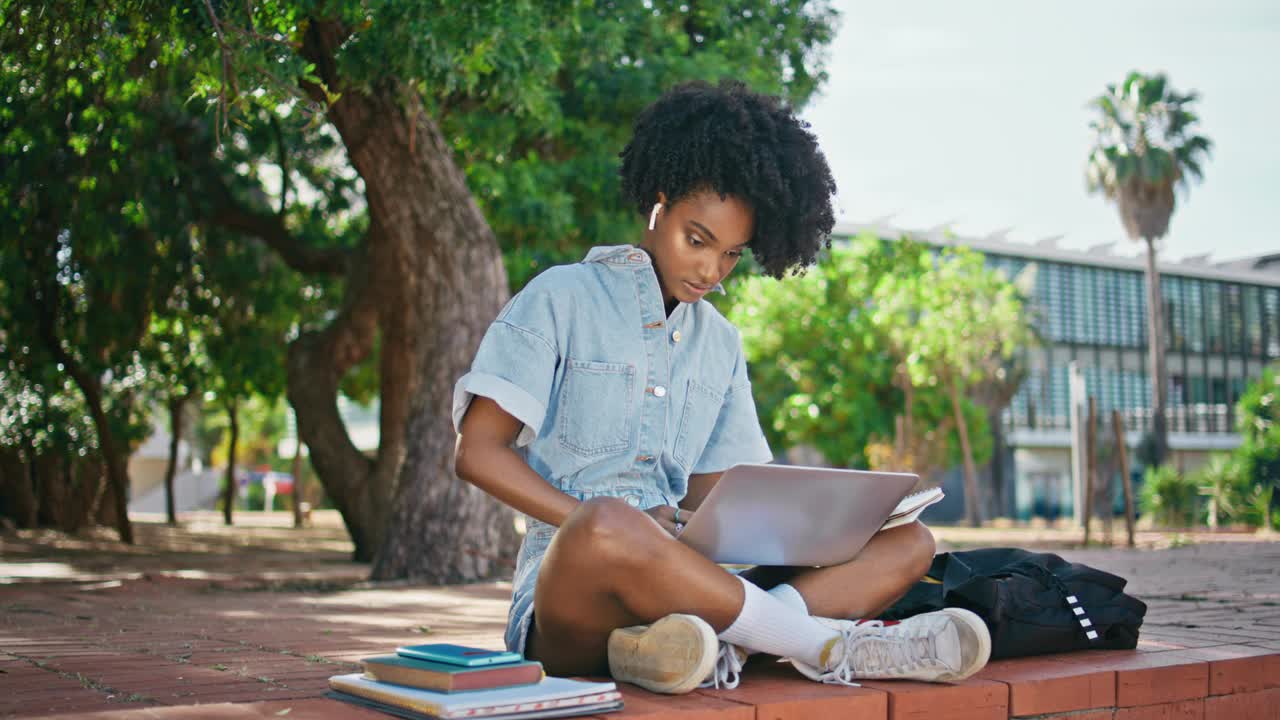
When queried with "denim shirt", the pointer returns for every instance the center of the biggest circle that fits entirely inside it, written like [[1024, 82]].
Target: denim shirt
[[616, 399]]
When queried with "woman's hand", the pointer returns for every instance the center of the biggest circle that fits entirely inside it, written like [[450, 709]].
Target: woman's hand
[[672, 519]]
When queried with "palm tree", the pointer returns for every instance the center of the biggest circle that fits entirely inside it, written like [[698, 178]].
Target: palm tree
[[1145, 145]]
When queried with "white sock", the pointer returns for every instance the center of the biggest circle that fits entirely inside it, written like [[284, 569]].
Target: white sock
[[790, 596], [767, 624]]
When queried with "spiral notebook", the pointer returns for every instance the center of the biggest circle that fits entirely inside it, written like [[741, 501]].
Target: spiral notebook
[[911, 506]]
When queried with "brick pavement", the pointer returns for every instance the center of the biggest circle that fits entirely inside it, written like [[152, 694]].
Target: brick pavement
[[174, 634]]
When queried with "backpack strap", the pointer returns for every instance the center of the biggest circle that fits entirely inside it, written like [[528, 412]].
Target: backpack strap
[[1085, 622]]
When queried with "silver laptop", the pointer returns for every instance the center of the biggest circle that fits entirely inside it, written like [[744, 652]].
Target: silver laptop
[[790, 515]]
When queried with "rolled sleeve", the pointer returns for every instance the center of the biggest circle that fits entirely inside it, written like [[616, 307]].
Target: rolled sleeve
[[737, 437], [515, 367]]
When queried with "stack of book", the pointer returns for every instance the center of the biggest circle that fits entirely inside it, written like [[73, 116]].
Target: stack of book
[[452, 681]]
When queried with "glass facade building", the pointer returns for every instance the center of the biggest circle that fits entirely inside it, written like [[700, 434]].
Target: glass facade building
[[1219, 333], [1222, 327]]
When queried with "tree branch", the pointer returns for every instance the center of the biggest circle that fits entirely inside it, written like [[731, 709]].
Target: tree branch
[[228, 212], [270, 229], [322, 37]]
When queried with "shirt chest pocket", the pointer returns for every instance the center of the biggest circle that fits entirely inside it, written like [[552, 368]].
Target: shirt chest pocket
[[697, 421], [595, 414]]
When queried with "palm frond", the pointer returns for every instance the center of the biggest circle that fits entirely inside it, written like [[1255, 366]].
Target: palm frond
[[1152, 90], [1177, 122], [1144, 130], [1191, 169], [1197, 145]]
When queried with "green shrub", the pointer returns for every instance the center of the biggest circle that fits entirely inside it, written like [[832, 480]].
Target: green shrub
[[1169, 497], [1241, 498]]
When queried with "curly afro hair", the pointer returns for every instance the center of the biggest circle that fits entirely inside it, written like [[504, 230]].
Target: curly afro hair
[[730, 140]]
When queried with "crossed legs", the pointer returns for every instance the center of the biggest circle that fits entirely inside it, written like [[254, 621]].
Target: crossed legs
[[611, 565]]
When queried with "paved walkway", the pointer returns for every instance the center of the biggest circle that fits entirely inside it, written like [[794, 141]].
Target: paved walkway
[[200, 622]]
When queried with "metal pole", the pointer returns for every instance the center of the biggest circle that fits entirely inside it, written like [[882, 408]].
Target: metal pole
[[1075, 402], [1091, 465]]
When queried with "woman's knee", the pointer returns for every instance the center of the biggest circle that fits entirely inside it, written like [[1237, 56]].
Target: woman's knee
[[607, 529], [922, 547]]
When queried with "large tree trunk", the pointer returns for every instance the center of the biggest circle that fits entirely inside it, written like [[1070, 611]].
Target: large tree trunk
[[229, 491], [18, 499], [1155, 356], [427, 283], [115, 457], [297, 483], [997, 489], [175, 433], [972, 500]]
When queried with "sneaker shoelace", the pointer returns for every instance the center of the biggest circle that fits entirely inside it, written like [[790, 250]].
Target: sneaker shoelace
[[873, 649], [728, 671]]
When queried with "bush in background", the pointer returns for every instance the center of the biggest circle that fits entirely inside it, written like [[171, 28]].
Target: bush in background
[[1169, 497]]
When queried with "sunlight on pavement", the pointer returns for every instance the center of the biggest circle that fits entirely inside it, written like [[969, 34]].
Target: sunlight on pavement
[[14, 571]]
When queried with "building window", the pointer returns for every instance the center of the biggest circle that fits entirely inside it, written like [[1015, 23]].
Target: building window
[[1213, 312], [1271, 317], [1218, 391], [1138, 309], [1171, 289], [1235, 318], [1195, 314], [1077, 296], [1237, 389], [1199, 392], [1252, 321]]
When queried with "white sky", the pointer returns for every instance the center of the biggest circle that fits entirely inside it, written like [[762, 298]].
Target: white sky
[[974, 113]]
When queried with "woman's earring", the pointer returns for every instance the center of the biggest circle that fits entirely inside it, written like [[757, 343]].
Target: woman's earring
[[653, 216]]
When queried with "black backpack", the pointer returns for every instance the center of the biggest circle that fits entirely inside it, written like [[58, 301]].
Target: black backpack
[[1033, 603]]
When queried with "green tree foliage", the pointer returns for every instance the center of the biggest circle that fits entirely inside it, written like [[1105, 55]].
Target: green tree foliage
[[820, 373], [333, 134], [1240, 483], [111, 283], [955, 324], [835, 352], [88, 258], [1258, 417], [549, 188]]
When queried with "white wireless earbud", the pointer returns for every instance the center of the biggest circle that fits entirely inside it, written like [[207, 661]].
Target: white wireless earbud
[[653, 216]]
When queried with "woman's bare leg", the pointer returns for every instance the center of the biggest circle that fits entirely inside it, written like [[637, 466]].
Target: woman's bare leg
[[886, 568], [610, 566]]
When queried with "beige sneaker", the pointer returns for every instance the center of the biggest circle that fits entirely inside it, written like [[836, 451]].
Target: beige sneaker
[[948, 645], [728, 670], [672, 656]]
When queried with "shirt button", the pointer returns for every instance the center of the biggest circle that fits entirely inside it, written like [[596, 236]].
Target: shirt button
[[676, 336], [659, 391], [643, 458]]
